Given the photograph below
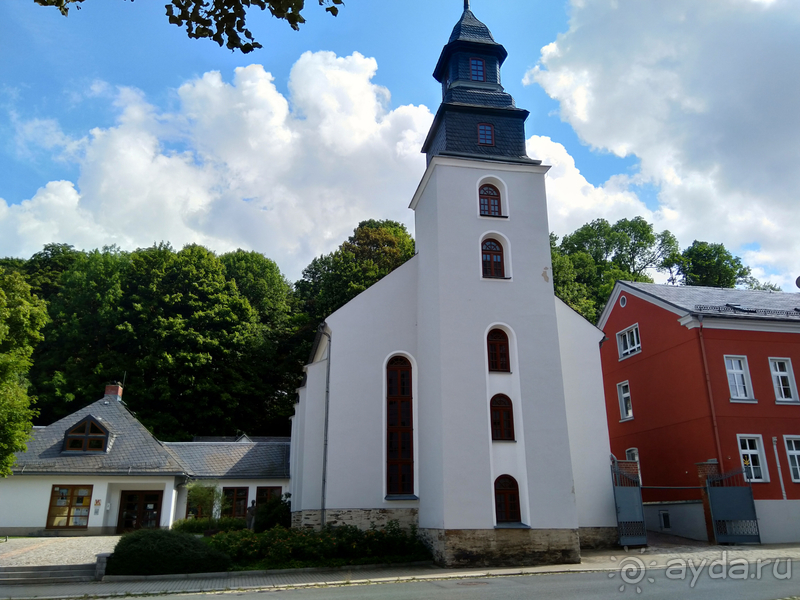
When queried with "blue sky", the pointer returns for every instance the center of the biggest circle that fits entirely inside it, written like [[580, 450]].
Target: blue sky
[[113, 131]]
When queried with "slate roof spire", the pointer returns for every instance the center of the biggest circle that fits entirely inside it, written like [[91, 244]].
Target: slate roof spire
[[477, 118]]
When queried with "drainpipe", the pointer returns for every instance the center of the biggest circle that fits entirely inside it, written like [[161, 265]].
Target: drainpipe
[[778, 462], [710, 394], [325, 434]]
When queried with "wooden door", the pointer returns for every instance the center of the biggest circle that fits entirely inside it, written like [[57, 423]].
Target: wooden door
[[139, 510]]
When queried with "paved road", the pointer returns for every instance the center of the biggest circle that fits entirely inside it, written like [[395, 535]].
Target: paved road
[[585, 586]]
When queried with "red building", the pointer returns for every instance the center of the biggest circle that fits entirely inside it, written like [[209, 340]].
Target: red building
[[695, 375]]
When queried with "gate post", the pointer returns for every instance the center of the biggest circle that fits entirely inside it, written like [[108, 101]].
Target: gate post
[[704, 469]]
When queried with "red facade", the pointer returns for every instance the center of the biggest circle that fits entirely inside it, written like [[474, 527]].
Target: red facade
[[673, 426]]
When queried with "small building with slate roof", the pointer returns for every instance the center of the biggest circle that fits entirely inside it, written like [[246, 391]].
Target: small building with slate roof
[[703, 380], [98, 471]]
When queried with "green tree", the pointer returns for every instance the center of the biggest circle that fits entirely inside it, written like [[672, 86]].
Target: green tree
[[43, 270], [224, 21], [22, 316], [565, 285], [709, 265], [374, 250]]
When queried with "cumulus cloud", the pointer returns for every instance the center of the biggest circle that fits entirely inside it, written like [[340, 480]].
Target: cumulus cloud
[[236, 165], [705, 94]]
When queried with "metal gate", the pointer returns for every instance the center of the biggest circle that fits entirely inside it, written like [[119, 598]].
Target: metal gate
[[733, 511], [628, 498]]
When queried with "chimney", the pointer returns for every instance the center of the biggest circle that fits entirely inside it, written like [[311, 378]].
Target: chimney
[[115, 391]]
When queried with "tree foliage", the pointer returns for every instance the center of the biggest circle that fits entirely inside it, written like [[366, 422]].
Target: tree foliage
[[224, 21], [710, 265], [22, 317]]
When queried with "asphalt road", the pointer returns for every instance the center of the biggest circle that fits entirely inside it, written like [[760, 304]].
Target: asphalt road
[[586, 586]]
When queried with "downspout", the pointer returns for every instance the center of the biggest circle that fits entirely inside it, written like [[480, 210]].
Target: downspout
[[778, 462], [325, 430], [710, 394]]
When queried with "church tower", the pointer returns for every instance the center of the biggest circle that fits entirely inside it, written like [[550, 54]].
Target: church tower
[[495, 474]]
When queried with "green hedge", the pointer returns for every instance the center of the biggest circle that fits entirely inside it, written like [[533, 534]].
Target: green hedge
[[203, 525], [282, 548], [161, 551]]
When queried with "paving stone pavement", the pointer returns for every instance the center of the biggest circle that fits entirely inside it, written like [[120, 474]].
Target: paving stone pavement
[[36, 551]]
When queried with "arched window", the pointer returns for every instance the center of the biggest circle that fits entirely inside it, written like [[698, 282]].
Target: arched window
[[490, 201], [497, 341], [506, 499], [492, 252], [502, 418], [399, 428]]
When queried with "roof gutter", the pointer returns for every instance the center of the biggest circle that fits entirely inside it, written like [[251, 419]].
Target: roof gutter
[[710, 393]]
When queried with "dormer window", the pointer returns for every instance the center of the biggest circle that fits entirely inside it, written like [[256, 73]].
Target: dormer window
[[86, 436], [477, 69], [485, 135]]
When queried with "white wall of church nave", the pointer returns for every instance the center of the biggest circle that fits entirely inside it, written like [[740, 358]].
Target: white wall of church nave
[[373, 327], [455, 308]]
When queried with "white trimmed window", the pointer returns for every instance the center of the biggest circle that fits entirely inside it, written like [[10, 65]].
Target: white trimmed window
[[739, 378], [793, 453], [628, 341], [633, 454], [783, 380], [751, 451], [625, 406]]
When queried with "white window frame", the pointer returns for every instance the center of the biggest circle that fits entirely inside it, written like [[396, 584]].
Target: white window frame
[[749, 396], [789, 375], [759, 451], [621, 396], [627, 347], [793, 453]]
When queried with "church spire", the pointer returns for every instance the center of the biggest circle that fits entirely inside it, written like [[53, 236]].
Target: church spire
[[477, 117]]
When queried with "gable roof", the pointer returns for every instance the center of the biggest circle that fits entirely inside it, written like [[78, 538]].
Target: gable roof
[[233, 460], [131, 449], [727, 303]]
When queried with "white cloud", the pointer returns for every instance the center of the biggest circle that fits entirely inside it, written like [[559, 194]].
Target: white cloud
[[706, 95], [237, 165]]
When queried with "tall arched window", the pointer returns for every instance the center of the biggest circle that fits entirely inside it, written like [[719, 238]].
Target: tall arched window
[[490, 201], [497, 342], [399, 428], [506, 499], [502, 418], [492, 252]]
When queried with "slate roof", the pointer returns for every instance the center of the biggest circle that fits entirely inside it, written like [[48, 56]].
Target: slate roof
[[233, 460], [131, 448], [470, 29], [725, 302], [243, 438]]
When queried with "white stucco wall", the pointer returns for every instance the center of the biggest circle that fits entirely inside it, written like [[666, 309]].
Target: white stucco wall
[[778, 521], [25, 499], [686, 519], [586, 417]]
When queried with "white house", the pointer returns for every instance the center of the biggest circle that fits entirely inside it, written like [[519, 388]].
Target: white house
[[98, 471], [458, 394]]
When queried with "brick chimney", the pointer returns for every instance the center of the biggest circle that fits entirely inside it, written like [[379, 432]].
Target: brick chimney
[[115, 391]]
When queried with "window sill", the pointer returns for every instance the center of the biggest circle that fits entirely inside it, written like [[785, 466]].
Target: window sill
[[398, 497], [744, 401], [498, 278], [499, 372], [512, 441], [626, 419], [494, 216], [788, 402], [512, 526], [630, 354]]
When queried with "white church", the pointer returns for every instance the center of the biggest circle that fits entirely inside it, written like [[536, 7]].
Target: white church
[[458, 394]]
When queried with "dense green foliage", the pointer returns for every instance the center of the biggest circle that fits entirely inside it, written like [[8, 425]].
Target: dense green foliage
[[333, 546], [276, 512], [22, 317], [224, 21], [710, 265], [196, 526], [161, 551]]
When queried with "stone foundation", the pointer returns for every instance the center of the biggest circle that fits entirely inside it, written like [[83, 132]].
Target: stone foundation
[[363, 518], [502, 547], [596, 538]]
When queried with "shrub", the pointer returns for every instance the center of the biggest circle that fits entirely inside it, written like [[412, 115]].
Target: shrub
[[161, 551], [276, 512], [203, 525]]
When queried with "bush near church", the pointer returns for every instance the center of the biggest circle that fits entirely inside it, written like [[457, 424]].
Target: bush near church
[[161, 552], [202, 525], [333, 546]]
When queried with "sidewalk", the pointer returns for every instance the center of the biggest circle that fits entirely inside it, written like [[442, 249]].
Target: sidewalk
[[655, 556]]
